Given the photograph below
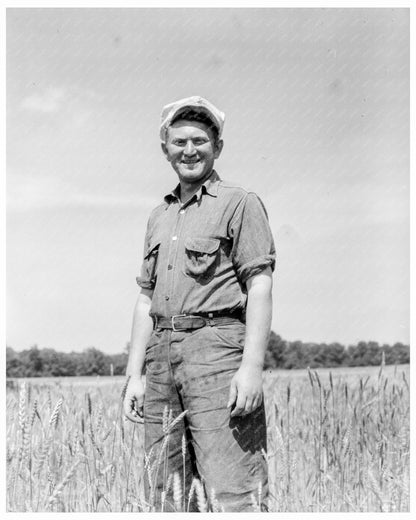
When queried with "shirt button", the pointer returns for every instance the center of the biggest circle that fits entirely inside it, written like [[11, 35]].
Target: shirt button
[[174, 238], [170, 266], [166, 297], [182, 211]]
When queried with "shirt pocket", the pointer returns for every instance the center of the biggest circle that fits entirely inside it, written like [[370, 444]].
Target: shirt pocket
[[202, 256]]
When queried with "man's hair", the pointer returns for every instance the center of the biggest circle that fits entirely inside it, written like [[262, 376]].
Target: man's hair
[[200, 117]]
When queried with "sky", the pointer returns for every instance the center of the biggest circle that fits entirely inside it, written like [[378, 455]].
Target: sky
[[317, 124]]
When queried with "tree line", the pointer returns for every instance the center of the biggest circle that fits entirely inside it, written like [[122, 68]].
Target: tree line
[[297, 354], [35, 362]]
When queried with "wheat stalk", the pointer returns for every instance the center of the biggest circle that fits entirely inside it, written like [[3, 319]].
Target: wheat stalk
[[183, 468], [177, 491], [22, 406], [215, 505], [53, 421], [365, 429], [89, 404], [162, 500], [191, 492], [155, 467], [169, 482], [200, 497], [59, 488], [173, 423], [254, 505]]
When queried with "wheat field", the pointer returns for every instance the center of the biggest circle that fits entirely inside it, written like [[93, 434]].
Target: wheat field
[[338, 440]]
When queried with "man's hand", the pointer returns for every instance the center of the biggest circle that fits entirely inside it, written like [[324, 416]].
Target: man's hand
[[133, 400], [245, 390], [246, 385]]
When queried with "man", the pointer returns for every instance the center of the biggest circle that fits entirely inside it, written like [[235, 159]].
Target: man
[[202, 322]]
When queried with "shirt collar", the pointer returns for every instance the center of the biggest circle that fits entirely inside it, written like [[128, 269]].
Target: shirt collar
[[210, 186]]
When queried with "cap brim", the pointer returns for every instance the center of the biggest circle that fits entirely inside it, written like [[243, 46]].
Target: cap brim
[[195, 108]]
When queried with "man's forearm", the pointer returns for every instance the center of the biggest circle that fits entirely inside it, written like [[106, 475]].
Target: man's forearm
[[141, 330], [258, 318]]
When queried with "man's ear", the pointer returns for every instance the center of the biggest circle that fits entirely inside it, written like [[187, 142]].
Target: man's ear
[[165, 150], [218, 148]]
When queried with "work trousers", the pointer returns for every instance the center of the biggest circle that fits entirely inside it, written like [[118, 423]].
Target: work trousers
[[191, 371]]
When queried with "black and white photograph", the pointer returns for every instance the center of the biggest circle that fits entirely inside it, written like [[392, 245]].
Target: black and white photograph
[[207, 259]]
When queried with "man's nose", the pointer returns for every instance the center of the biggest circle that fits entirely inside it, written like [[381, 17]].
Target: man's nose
[[189, 148]]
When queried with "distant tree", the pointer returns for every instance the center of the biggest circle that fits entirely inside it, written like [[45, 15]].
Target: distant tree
[[51, 362], [119, 362], [274, 356], [93, 362], [401, 353], [69, 363], [31, 362], [357, 353], [335, 355], [388, 354], [279, 354], [373, 354], [316, 355], [14, 366], [294, 355]]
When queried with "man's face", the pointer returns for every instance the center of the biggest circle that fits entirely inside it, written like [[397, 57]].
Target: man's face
[[191, 149]]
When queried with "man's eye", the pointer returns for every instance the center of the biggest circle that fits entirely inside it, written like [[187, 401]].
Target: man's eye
[[179, 142], [199, 141]]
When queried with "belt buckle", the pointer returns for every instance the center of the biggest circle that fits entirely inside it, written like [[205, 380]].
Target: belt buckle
[[172, 320]]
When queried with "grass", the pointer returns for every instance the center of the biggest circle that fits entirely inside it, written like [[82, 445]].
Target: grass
[[338, 440]]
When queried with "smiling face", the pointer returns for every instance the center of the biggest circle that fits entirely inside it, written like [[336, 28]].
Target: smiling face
[[191, 148]]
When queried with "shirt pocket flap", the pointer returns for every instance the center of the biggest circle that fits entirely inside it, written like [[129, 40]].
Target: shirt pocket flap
[[202, 245], [153, 248]]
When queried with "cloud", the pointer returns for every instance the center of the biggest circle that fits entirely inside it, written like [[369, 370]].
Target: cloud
[[49, 101], [28, 193]]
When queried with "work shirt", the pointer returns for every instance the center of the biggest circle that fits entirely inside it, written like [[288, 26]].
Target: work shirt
[[199, 255]]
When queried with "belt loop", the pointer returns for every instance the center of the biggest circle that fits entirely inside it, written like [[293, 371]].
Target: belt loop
[[211, 322]]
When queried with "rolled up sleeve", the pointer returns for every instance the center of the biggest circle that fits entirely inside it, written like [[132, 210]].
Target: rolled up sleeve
[[147, 278], [253, 247]]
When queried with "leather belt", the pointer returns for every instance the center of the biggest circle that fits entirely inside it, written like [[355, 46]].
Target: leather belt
[[192, 321]]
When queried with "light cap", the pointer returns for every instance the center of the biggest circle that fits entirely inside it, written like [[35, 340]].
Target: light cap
[[196, 103]]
